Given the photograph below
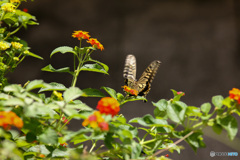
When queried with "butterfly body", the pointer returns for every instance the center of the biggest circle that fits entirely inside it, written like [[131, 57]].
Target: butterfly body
[[143, 85]]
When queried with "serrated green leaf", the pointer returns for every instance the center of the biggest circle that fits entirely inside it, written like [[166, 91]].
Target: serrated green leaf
[[94, 68], [217, 101], [49, 137], [63, 50], [72, 93], [60, 153], [35, 84], [89, 92], [102, 64], [53, 86], [49, 68]]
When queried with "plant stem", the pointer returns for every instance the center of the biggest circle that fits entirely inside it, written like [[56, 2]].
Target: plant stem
[[93, 146], [178, 141]]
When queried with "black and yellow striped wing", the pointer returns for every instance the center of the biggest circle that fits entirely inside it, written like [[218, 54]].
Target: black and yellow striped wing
[[130, 69], [144, 82], [143, 85]]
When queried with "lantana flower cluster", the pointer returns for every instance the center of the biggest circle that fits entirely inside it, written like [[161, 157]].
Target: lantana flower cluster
[[8, 119], [235, 94], [106, 106], [80, 35], [130, 91]]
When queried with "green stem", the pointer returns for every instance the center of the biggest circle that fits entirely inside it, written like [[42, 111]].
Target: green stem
[[93, 146], [13, 32]]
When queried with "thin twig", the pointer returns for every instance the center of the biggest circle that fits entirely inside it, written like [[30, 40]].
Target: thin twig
[[178, 141]]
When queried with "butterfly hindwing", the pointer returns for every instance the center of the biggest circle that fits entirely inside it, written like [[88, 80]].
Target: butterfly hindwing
[[143, 85], [129, 72]]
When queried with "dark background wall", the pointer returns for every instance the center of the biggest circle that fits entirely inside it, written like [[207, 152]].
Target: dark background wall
[[197, 42]]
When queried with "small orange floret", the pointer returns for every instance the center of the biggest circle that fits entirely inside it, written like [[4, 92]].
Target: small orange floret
[[95, 43], [235, 94], [130, 91], [80, 35]]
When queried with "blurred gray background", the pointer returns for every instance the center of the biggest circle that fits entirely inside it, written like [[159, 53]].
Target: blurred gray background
[[197, 42]]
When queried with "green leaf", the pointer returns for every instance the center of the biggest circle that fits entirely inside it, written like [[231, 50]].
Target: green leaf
[[193, 111], [196, 141], [206, 107], [149, 121], [60, 153], [63, 50], [37, 109], [89, 92], [102, 64], [33, 55], [13, 88], [161, 108], [176, 111], [72, 93], [30, 137], [13, 102], [39, 149], [94, 68], [110, 91], [53, 86], [49, 68], [49, 137], [217, 128], [134, 98], [229, 123], [35, 84], [217, 101]]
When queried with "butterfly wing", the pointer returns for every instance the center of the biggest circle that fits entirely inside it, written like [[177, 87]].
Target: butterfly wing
[[144, 82], [129, 72]]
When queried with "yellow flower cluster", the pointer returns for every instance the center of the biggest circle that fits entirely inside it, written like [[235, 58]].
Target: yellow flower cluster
[[16, 45], [4, 45], [8, 7], [15, 1]]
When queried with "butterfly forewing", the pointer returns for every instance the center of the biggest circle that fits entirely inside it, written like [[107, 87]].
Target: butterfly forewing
[[143, 85], [144, 82]]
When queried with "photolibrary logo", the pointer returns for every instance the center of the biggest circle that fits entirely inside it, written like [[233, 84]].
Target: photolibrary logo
[[212, 153]]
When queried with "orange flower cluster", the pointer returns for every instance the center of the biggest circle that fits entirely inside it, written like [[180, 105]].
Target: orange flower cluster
[[84, 35], [108, 105], [95, 43], [235, 94], [8, 119], [96, 120], [80, 35], [130, 91]]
